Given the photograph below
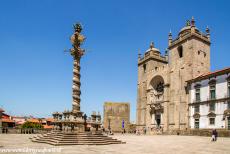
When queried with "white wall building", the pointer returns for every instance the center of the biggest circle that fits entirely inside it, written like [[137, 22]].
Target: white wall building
[[209, 99]]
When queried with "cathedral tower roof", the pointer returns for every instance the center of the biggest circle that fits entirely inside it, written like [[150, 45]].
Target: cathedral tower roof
[[153, 49], [187, 32]]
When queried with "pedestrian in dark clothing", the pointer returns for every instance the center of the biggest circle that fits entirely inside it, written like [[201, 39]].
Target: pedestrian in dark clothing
[[214, 135], [144, 130]]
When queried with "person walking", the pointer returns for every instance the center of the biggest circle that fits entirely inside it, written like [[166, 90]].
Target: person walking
[[145, 130], [215, 134]]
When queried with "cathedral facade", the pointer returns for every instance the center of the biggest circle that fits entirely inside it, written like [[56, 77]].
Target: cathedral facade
[[163, 93]]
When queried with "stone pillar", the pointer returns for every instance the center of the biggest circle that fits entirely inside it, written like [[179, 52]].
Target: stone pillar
[[148, 116], [153, 122], [76, 85], [77, 39]]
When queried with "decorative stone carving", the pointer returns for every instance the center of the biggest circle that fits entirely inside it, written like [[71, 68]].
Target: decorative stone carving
[[227, 112], [211, 114], [196, 116]]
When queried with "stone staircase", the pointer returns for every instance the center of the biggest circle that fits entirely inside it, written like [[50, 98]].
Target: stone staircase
[[59, 138]]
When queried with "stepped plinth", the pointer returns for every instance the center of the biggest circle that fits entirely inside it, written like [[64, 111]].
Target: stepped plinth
[[59, 138]]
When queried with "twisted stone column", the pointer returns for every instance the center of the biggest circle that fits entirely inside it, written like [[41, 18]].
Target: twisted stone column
[[76, 85], [77, 39]]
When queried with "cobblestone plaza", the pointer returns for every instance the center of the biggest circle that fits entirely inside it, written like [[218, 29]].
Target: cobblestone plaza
[[157, 144]]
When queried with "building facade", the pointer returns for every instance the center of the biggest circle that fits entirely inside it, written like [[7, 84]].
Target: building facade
[[116, 116], [209, 106], [163, 97]]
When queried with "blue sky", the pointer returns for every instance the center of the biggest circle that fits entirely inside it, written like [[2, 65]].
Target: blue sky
[[36, 75]]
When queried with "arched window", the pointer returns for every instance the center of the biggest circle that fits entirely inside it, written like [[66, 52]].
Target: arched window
[[157, 83]]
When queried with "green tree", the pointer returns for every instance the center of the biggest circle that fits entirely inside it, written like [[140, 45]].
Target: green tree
[[32, 125]]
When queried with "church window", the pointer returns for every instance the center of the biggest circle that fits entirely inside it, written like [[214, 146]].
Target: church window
[[156, 68], [199, 52], [212, 121], [160, 87], [180, 51], [204, 54], [212, 89], [197, 123], [144, 67], [197, 94]]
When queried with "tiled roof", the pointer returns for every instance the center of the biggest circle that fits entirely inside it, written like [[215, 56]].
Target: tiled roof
[[20, 122], [47, 127], [33, 120], [18, 117], [210, 74], [50, 119], [7, 120]]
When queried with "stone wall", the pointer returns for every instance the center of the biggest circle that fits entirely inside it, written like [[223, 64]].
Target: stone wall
[[114, 114]]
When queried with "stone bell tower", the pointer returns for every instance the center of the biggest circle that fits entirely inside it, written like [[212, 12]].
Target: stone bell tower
[[151, 68], [189, 56]]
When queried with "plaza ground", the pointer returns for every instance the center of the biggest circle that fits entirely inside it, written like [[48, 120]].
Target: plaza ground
[[158, 144]]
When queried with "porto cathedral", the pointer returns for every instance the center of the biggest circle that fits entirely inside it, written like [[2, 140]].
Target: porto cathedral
[[163, 93]]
